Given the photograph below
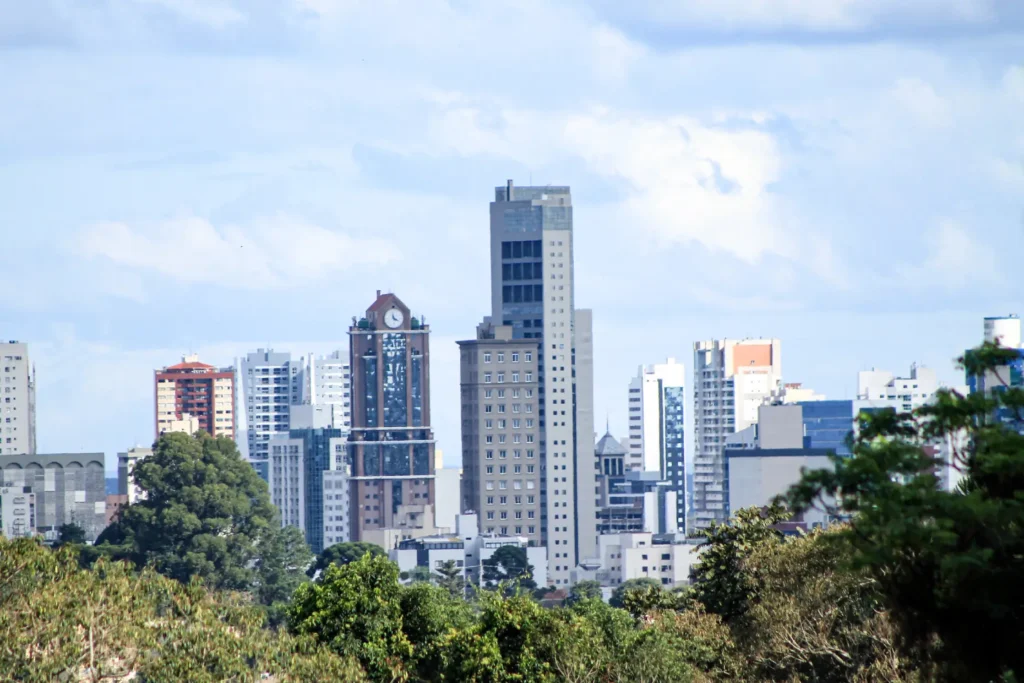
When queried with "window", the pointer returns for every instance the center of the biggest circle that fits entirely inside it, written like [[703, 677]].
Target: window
[[487, 378], [489, 486], [529, 377], [515, 376], [487, 358], [490, 469], [487, 393], [501, 393], [490, 439], [487, 408], [529, 469], [528, 356], [515, 357], [490, 500], [501, 469], [490, 514], [501, 407], [490, 455], [501, 378], [489, 424]]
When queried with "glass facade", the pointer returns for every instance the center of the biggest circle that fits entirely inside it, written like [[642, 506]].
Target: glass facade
[[673, 401], [416, 388], [370, 395], [394, 387], [316, 458], [1014, 373], [827, 424]]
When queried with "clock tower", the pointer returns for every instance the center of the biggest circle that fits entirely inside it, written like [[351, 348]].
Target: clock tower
[[391, 444]]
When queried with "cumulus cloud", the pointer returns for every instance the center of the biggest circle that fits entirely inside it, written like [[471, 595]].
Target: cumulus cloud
[[954, 259], [272, 253], [921, 101], [212, 13]]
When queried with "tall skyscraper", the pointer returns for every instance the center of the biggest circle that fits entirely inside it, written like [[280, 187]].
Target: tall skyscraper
[[656, 426], [199, 390], [502, 476], [19, 401], [391, 444], [532, 292], [731, 380]]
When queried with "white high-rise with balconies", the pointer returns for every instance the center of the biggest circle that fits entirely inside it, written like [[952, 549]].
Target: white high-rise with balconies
[[18, 429], [731, 380]]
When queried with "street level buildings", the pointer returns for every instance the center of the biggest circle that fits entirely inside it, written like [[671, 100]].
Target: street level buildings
[[731, 380], [202, 391], [18, 429]]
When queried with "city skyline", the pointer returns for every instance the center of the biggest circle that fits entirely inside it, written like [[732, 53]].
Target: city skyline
[[241, 177]]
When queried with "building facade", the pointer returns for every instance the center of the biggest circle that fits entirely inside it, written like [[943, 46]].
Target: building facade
[[1006, 331], [19, 401], [17, 511], [656, 425], [757, 472], [126, 463], [731, 380], [297, 464], [199, 390], [501, 435], [69, 488], [883, 389], [827, 424], [532, 291], [391, 444]]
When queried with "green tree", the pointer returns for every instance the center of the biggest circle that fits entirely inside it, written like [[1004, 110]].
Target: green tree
[[343, 553], [721, 583], [355, 610], [205, 514], [69, 534], [948, 564], [450, 578], [283, 557], [59, 622], [429, 614], [584, 590], [619, 594], [417, 575], [509, 565]]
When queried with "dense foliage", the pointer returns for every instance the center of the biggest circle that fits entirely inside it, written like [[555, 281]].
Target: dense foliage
[[59, 622], [948, 565], [920, 584], [206, 514]]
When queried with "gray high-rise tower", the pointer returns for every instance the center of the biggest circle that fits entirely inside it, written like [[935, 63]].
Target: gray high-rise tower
[[532, 292]]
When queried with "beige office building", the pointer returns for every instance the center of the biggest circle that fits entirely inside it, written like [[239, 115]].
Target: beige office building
[[502, 476]]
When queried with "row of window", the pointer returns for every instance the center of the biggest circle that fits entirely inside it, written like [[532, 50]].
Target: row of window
[[531, 270], [516, 423], [503, 485], [488, 408], [522, 249], [516, 469], [522, 294], [489, 393], [527, 357], [527, 377], [504, 454], [502, 439], [518, 514]]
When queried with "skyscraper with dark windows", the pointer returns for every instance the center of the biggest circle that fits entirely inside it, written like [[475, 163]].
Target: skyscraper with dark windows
[[391, 444], [532, 295]]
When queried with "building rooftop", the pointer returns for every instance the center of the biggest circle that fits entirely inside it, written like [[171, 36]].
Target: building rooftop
[[609, 445]]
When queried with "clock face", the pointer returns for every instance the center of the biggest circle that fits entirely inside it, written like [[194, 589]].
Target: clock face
[[393, 318]]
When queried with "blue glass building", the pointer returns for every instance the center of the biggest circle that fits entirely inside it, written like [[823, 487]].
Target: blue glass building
[[827, 424]]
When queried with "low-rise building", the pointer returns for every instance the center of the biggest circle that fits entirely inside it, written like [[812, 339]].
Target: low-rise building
[[69, 488], [666, 558]]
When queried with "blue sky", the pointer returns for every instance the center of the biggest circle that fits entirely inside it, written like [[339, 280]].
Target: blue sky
[[217, 175]]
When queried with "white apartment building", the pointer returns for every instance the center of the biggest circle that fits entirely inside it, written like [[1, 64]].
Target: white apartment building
[[794, 393], [731, 380], [640, 555], [126, 463], [647, 419], [337, 523], [327, 381], [883, 389], [18, 429], [17, 511]]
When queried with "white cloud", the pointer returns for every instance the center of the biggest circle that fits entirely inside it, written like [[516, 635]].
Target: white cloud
[[684, 181], [955, 259], [922, 102], [814, 15], [272, 253], [213, 13], [1013, 83]]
